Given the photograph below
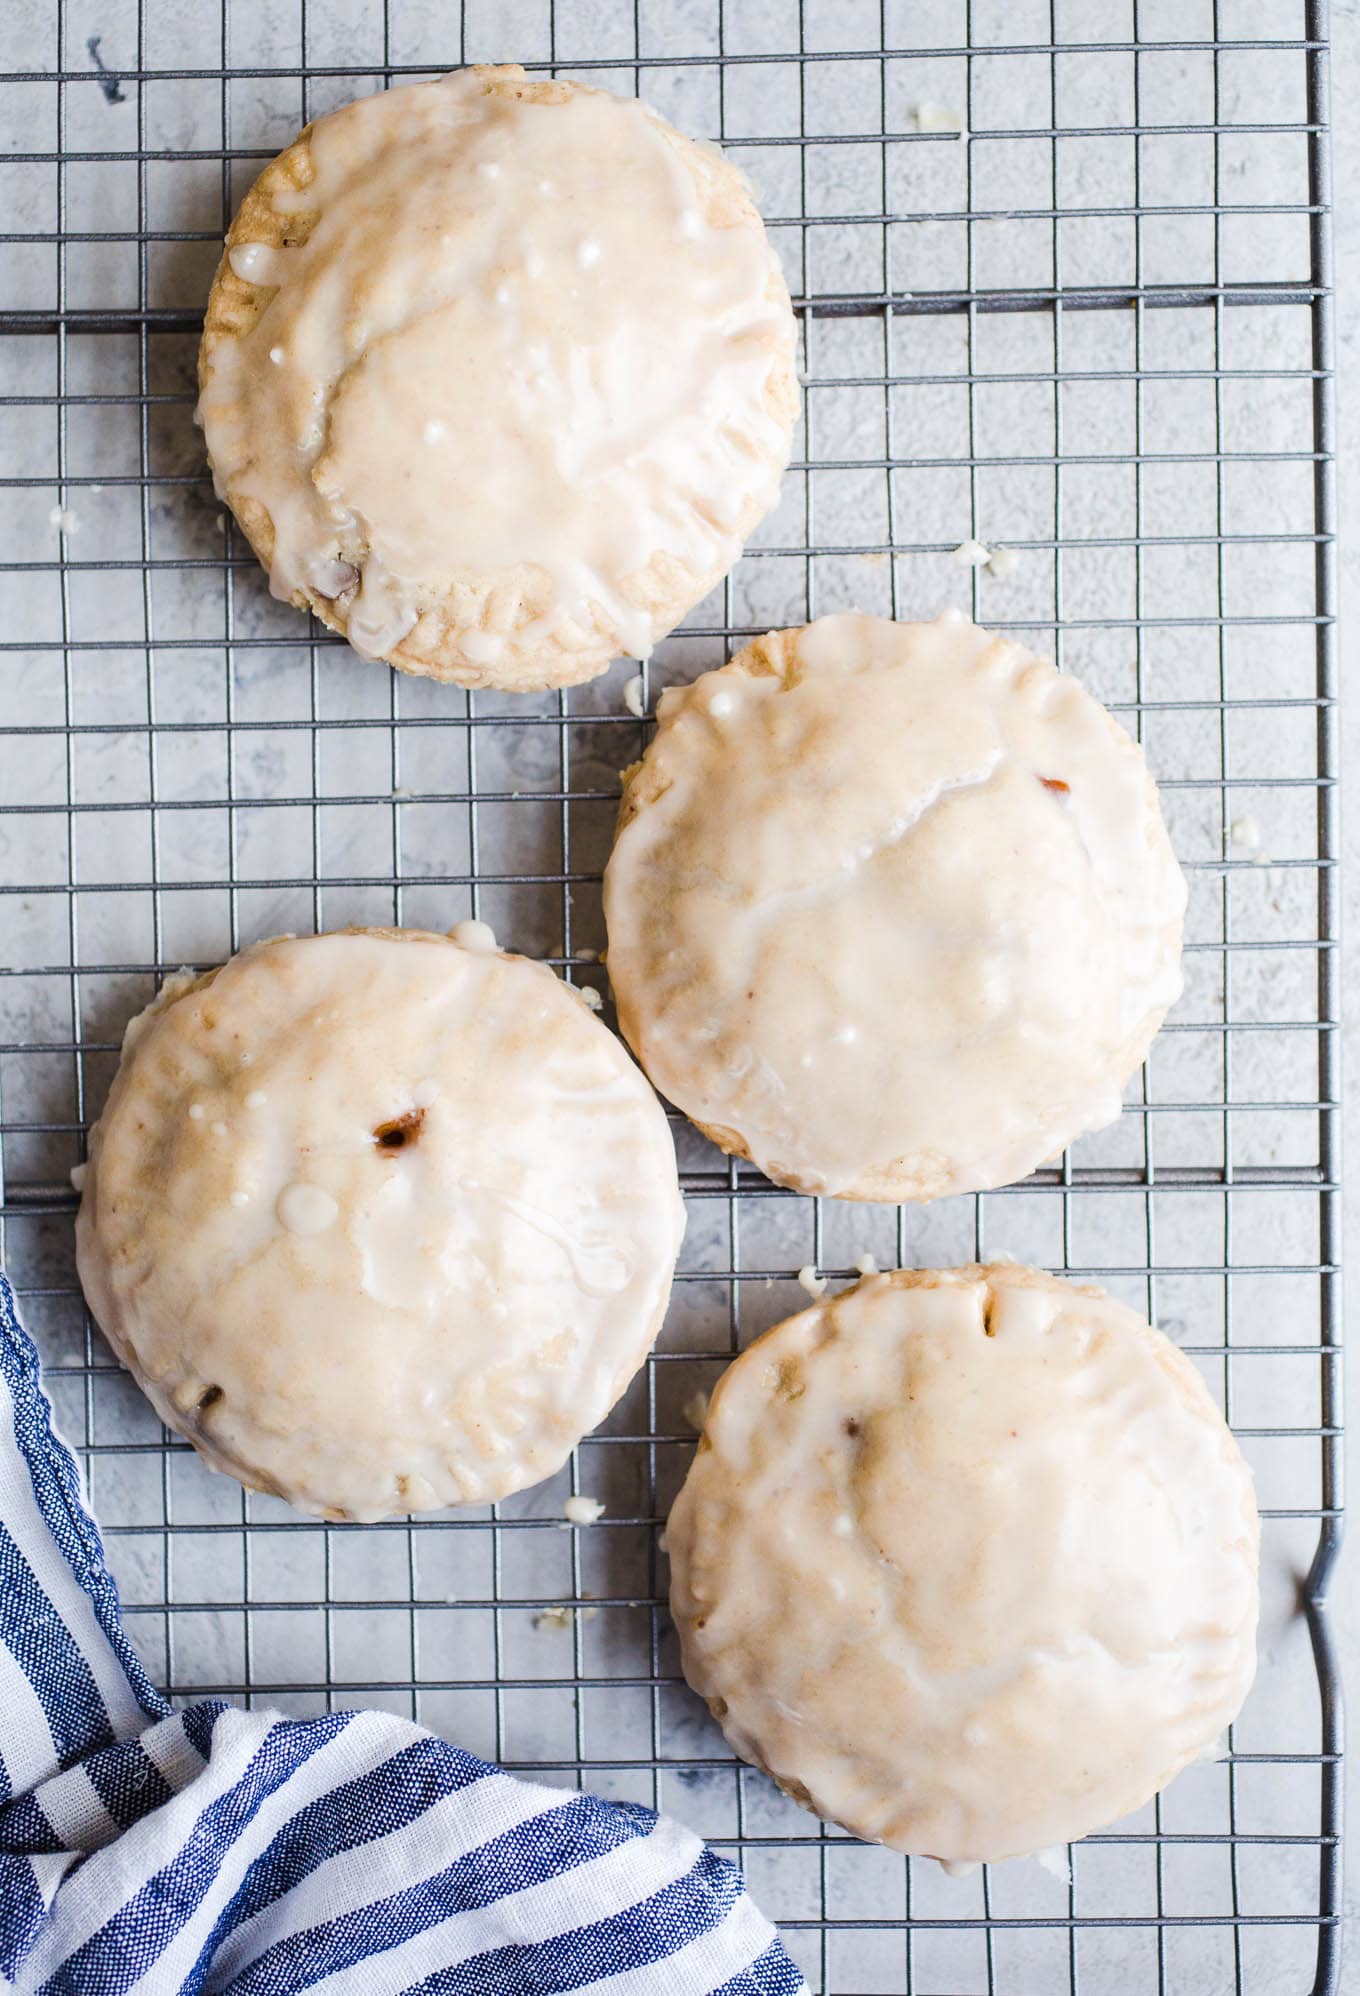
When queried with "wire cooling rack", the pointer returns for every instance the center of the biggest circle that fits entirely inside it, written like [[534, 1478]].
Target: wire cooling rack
[[1062, 275]]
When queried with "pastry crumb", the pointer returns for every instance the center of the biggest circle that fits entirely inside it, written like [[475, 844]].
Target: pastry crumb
[[588, 996], [78, 1176], [867, 1265], [972, 554], [1003, 563], [582, 1510], [1245, 834], [563, 1617], [1056, 1861], [810, 1280], [633, 698], [939, 118], [64, 520]]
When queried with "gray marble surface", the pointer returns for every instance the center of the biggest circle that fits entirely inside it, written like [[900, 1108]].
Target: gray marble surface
[[400, 1623]]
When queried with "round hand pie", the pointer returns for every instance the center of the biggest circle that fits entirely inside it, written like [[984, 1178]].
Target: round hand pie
[[892, 910], [380, 1220], [967, 1561], [497, 375]]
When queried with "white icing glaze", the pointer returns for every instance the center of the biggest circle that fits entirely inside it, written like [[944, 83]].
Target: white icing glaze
[[967, 1560], [902, 919], [582, 1510], [695, 1410], [258, 263], [303, 1208], [483, 647], [486, 367], [460, 1220], [473, 935]]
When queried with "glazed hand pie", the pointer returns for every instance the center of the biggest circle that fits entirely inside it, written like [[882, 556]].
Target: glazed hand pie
[[497, 375], [381, 1221], [891, 908], [967, 1561]]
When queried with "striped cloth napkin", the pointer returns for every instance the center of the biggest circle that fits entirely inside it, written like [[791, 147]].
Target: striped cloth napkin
[[219, 1850]]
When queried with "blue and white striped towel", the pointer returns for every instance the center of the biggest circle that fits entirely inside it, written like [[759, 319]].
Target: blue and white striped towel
[[217, 1850]]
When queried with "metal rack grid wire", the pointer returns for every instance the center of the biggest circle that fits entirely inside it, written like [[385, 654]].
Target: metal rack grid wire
[[1093, 324]]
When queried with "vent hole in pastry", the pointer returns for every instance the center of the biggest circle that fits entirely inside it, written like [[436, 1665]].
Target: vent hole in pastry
[[400, 1132], [851, 1426], [988, 1307], [340, 582], [209, 1398], [1056, 783]]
